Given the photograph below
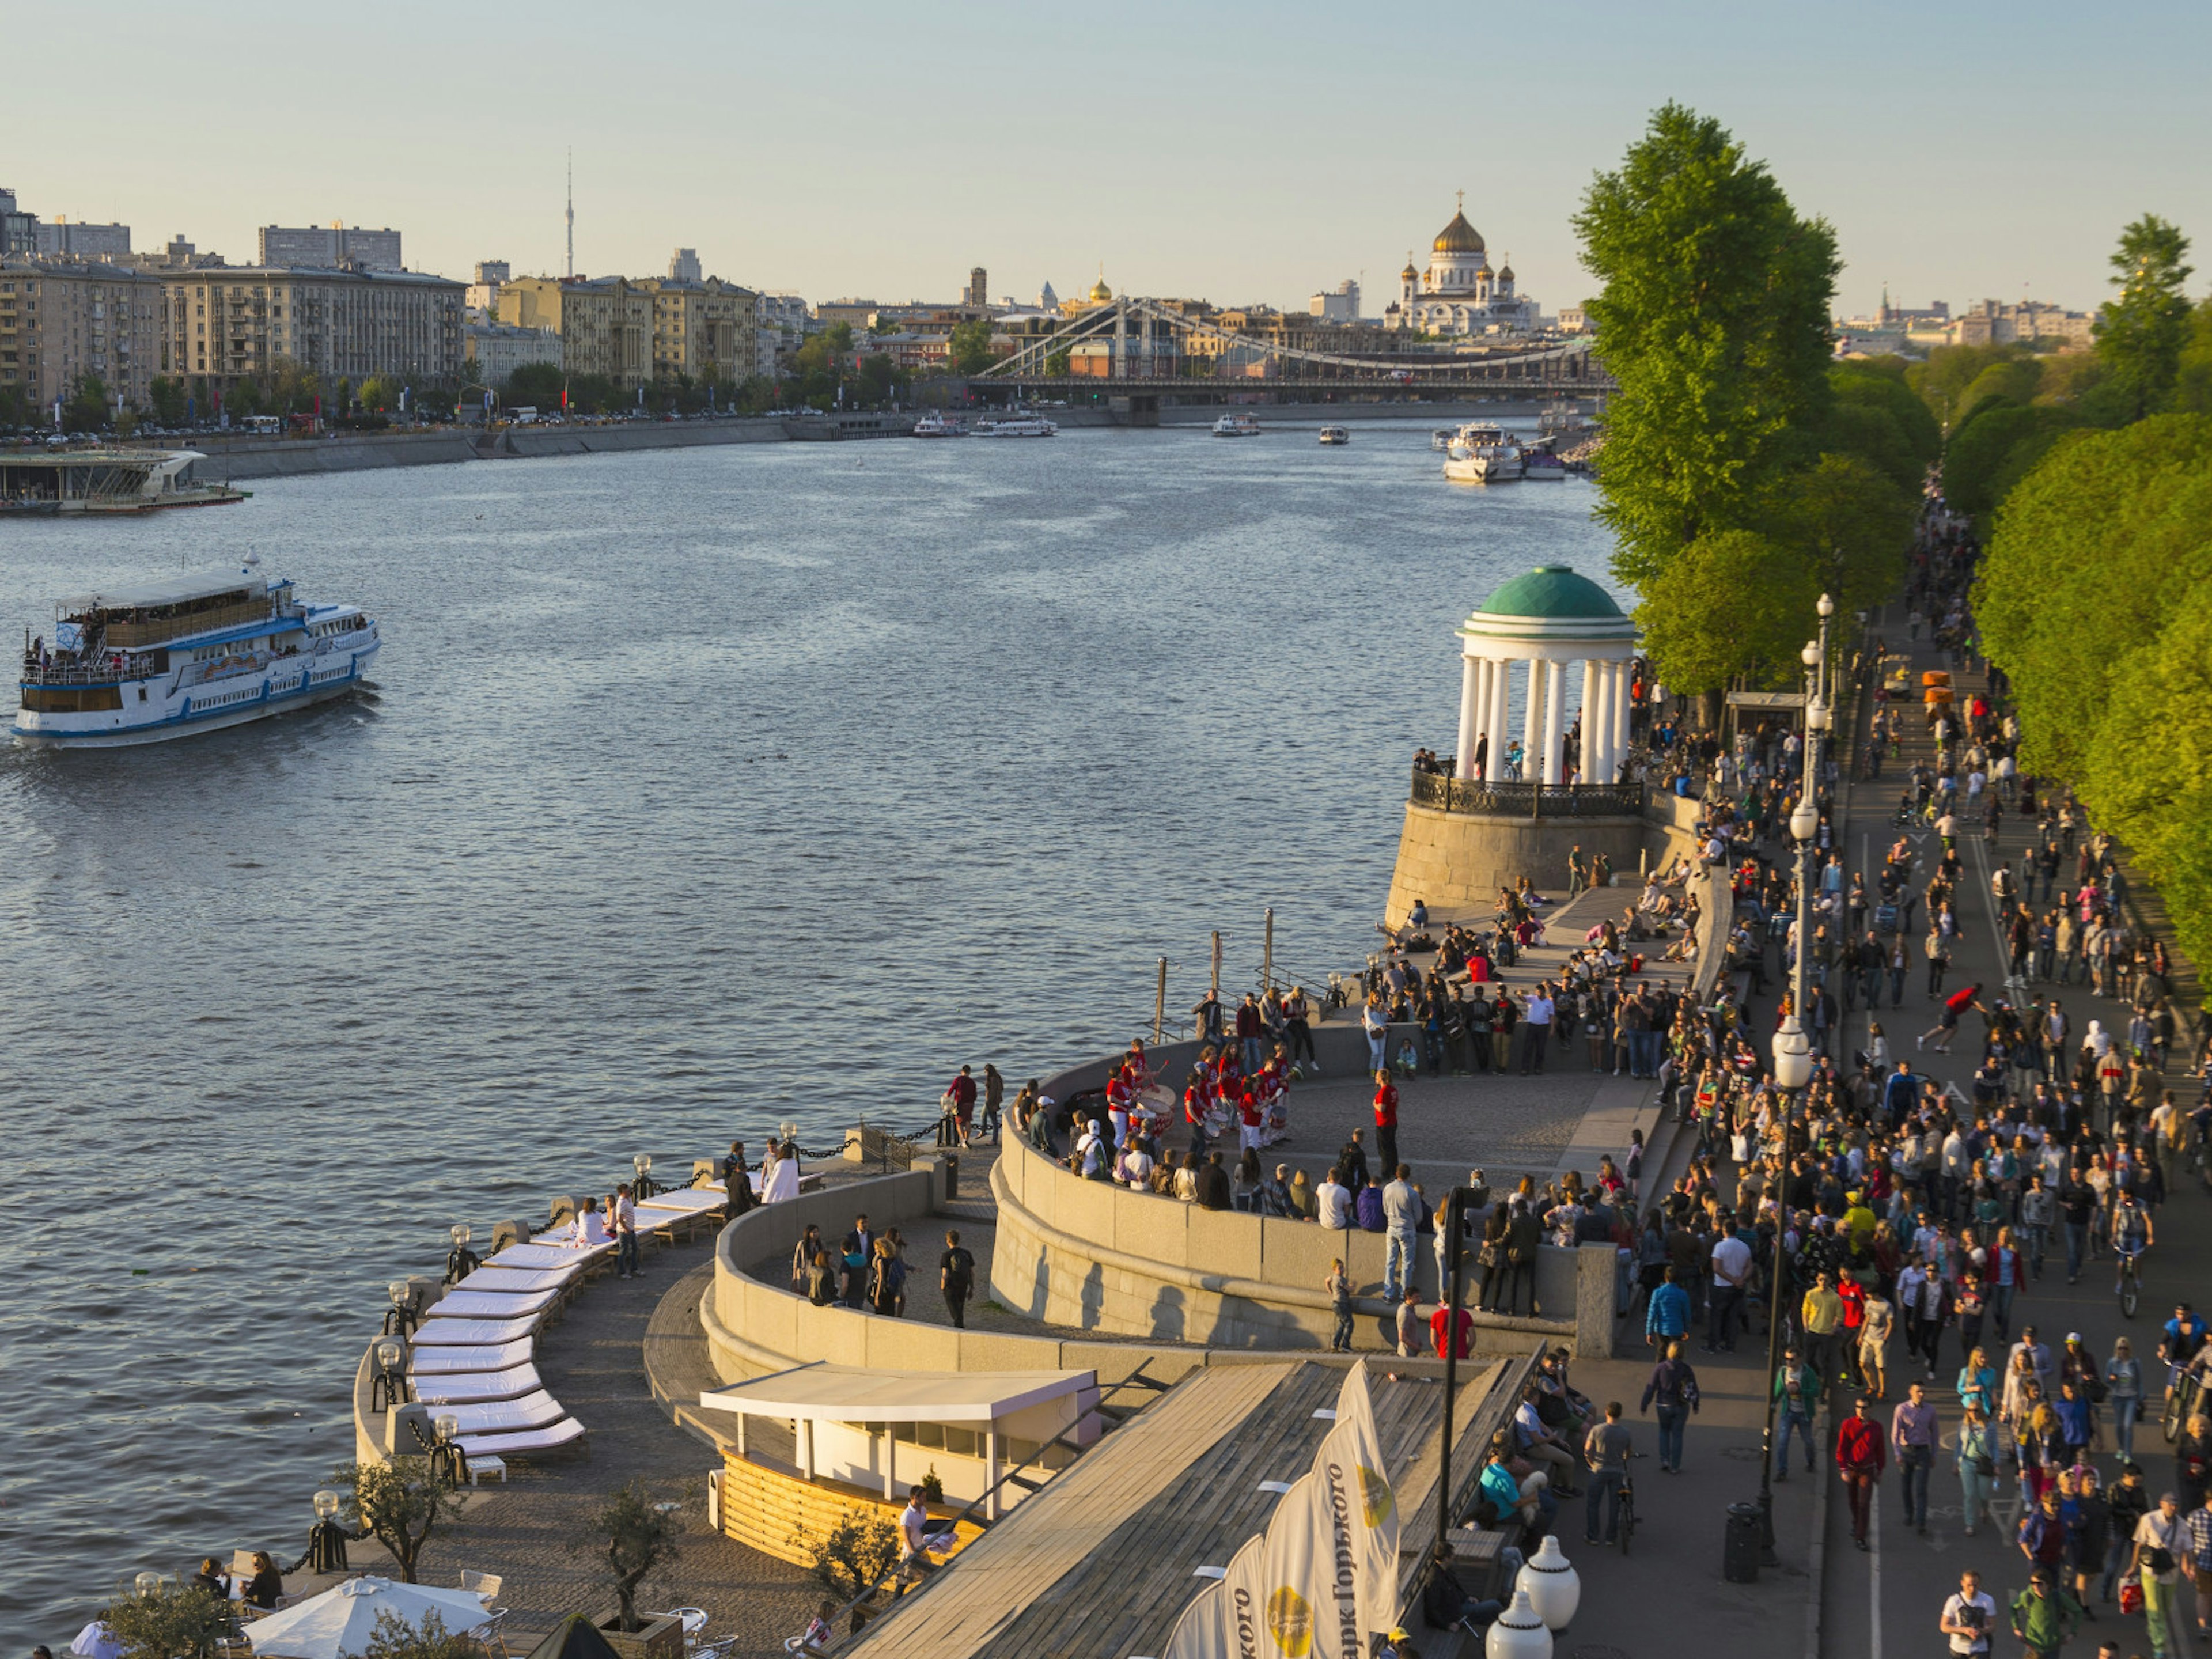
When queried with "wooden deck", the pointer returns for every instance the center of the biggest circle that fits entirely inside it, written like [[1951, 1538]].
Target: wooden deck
[[1100, 1563]]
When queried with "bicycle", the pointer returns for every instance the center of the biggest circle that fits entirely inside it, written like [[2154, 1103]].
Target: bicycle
[[2184, 1385], [2130, 1283], [1625, 1518]]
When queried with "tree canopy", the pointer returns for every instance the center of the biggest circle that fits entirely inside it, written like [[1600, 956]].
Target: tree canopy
[[2095, 594], [2141, 332], [1714, 319]]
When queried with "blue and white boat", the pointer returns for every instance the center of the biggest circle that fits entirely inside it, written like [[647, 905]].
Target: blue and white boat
[[180, 654]]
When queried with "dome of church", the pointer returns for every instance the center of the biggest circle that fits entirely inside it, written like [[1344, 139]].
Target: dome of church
[[1505, 275], [1100, 292], [1458, 237], [1411, 274]]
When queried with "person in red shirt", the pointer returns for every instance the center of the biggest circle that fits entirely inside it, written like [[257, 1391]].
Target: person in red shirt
[[960, 1096], [1955, 1005], [1464, 1336], [1861, 1453], [1248, 1116], [1854, 1295], [1386, 1122]]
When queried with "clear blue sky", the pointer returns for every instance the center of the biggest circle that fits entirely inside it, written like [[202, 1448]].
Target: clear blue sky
[[1962, 150]]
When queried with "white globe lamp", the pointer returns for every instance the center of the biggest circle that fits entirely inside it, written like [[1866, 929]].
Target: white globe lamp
[[1552, 1586], [1793, 1056], [1518, 1633]]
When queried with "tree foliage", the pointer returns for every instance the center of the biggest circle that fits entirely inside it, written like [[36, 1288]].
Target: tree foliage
[[2095, 594], [969, 345], [1714, 319], [640, 1540], [1978, 463], [856, 1553], [402, 1503], [393, 1637], [172, 1623], [2141, 332], [1732, 602]]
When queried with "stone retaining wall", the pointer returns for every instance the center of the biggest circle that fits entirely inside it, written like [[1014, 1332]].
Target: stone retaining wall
[[1456, 861]]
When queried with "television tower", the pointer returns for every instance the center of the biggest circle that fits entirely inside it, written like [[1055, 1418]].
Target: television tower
[[572, 213]]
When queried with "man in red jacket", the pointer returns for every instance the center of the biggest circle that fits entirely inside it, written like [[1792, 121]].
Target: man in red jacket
[[1861, 1456]]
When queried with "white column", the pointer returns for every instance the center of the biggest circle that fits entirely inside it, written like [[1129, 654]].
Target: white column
[[991, 1505], [1555, 694], [1501, 687], [1597, 721], [1532, 725], [1470, 677], [1620, 714]]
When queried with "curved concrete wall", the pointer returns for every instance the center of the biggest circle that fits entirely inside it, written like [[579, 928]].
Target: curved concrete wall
[[1457, 862], [1093, 1255]]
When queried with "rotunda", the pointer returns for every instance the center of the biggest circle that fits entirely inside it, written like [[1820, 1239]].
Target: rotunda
[[1543, 621]]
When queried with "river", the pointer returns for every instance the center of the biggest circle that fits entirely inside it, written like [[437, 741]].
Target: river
[[699, 789]]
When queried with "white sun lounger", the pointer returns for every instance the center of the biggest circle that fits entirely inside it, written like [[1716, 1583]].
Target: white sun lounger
[[469, 1333], [519, 1281], [492, 1305], [533, 1410], [565, 1432], [561, 1258], [465, 1360], [686, 1198], [474, 1388]]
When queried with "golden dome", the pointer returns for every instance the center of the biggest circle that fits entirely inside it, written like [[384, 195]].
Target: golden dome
[[1100, 292], [1411, 274], [1505, 275], [1458, 237]]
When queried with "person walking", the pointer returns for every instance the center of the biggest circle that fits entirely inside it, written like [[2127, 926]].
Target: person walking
[[1797, 1390], [1604, 1455], [1968, 1616], [956, 1277], [1913, 1436], [1338, 1288], [1673, 1388], [1977, 1465], [2161, 1545], [2044, 1614], [2198, 1522], [2123, 1387], [1667, 1317], [625, 1220], [1862, 1455]]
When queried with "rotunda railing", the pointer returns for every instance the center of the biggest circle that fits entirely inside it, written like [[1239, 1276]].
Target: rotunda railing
[[1528, 800]]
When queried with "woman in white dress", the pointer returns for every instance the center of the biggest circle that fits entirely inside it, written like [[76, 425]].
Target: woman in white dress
[[779, 1180]]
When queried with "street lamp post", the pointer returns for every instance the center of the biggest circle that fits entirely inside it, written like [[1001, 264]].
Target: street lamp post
[[1792, 1048]]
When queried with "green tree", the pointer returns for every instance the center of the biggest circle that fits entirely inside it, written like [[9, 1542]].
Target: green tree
[[395, 1638], [1848, 525], [378, 393], [169, 400], [1979, 462], [401, 1503], [87, 407], [969, 347], [1057, 362], [1714, 319], [2192, 390], [2008, 380], [242, 398], [293, 386], [1731, 603], [2142, 333], [877, 374], [856, 1553], [170, 1624], [641, 1538]]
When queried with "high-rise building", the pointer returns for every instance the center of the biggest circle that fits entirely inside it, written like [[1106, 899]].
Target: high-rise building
[[978, 293], [703, 329], [683, 266], [606, 322], [330, 248], [231, 323], [60, 319], [83, 242], [1341, 305], [18, 231], [484, 292]]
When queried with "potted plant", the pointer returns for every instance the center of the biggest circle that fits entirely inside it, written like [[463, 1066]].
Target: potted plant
[[641, 1538]]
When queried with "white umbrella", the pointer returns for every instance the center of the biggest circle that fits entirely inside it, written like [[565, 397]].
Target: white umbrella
[[96, 1641], [339, 1622]]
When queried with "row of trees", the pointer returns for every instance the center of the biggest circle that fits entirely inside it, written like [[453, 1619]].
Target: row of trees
[[2095, 592], [1744, 471]]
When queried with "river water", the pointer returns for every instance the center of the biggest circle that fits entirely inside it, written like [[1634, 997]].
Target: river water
[[700, 789]]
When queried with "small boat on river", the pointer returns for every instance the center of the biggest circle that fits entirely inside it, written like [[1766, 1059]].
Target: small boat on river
[[1236, 426], [1482, 454], [1335, 435], [1018, 426]]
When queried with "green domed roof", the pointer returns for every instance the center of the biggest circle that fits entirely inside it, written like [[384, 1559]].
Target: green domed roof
[[1550, 591]]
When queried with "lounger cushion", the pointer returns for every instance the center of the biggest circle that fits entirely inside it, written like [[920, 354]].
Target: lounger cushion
[[492, 1305], [567, 1432], [458, 1361], [467, 1333], [473, 1388]]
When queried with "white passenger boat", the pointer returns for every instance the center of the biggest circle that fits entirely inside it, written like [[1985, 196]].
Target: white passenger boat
[[1018, 426], [1441, 440], [185, 653], [1236, 426], [1483, 453], [936, 425], [1336, 435]]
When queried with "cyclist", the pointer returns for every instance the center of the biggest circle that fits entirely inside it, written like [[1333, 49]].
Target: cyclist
[[2131, 1237], [2181, 1341]]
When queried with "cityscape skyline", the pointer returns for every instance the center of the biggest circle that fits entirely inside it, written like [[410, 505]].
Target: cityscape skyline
[[890, 175]]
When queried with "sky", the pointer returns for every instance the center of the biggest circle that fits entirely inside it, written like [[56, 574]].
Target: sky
[[1246, 154]]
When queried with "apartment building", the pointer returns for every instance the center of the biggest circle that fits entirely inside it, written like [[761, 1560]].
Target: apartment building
[[705, 329], [495, 350], [60, 319], [330, 247], [1988, 322], [228, 324], [606, 322]]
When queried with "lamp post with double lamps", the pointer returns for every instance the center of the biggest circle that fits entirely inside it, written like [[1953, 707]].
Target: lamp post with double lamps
[[1792, 1048]]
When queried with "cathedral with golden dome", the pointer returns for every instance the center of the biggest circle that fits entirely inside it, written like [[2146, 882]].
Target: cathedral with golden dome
[[1460, 293]]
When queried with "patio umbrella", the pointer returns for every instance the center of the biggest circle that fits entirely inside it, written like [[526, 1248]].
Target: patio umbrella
[[339, 1622], [96, 1641]]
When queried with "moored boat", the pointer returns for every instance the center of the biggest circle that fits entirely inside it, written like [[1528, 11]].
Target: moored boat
[[1483, 453], [1336, 435], [185, 653], [938, 426], [1019, 426]]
